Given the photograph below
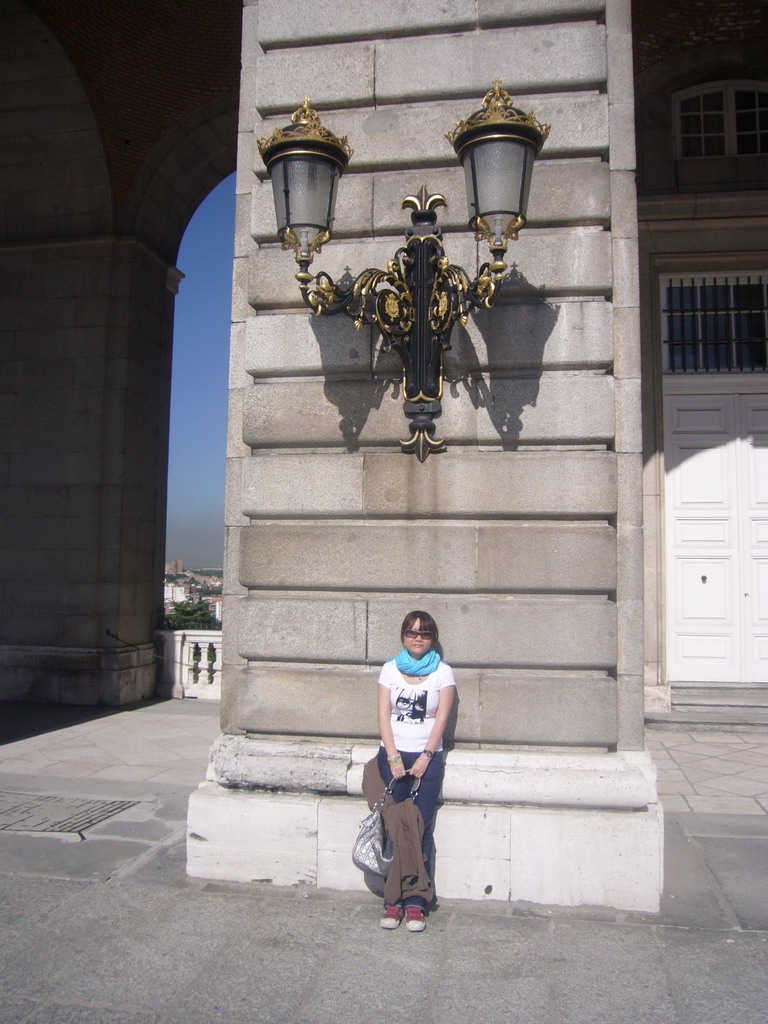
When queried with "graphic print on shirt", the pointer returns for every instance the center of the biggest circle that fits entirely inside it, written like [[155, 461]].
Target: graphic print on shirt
[[411, 705]]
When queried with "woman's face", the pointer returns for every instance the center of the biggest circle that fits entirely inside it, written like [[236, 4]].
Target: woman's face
[[418, 645]]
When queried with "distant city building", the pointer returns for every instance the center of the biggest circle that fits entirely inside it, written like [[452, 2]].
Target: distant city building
[[175, 567]]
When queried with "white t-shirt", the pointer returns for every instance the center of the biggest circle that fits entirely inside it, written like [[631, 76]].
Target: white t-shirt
[[414, 703]]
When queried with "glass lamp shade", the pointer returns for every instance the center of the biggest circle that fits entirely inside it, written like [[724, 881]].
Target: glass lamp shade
[[304, 188], [497, 174], [305, 161], [497, 147]]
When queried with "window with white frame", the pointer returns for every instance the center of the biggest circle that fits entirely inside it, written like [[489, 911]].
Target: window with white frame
[[722, 119], [716, 323]]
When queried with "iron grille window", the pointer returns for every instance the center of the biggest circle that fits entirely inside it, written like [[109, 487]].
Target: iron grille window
[[730, 119], [715, 324]]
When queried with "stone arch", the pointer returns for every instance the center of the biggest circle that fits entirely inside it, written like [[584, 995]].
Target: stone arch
[[88, 240], [56, 184], [181, 170]]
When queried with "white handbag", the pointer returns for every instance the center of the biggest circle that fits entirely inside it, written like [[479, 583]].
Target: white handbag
[[373, 847]]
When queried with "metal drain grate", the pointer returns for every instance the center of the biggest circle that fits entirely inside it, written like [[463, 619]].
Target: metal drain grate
[[28, 812]]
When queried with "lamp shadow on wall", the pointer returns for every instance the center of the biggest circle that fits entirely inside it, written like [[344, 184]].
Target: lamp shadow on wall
[[503, 380], [355, 397]]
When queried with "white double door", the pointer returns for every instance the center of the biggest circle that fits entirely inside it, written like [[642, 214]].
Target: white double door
[[716, 496]]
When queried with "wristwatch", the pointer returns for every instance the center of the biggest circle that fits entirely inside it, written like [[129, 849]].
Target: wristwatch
[[428, 753]]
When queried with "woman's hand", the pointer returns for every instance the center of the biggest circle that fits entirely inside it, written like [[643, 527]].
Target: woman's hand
[[420, 766], [398, 770]]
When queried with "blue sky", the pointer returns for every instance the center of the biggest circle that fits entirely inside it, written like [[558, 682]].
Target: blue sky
[[195, 527]]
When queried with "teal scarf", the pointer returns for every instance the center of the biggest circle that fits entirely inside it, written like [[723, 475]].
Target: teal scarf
[[411, 667]]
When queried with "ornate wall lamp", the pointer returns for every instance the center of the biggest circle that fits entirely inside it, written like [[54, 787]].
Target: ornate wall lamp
[[419, 297]]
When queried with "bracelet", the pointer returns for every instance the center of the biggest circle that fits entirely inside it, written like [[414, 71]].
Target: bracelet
[[428, 753], [392, 761]]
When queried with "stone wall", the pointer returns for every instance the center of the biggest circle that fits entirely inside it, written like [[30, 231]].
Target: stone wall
[[514, 538]]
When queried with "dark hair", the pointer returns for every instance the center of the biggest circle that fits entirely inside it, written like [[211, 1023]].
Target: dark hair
[[427, 622]]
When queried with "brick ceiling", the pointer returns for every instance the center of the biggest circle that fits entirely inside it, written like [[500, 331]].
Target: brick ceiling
[[145, 64], [664, 28]]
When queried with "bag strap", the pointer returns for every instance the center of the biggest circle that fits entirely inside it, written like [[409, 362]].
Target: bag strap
[[387, 792]]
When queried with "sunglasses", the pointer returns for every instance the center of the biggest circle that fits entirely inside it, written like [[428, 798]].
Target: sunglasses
[[413, 634]]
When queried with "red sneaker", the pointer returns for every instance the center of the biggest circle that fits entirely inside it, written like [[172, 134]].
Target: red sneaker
[[414, 919], [391, 917]]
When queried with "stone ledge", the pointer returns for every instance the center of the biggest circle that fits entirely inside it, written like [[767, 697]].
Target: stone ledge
[[620, 781], [546, 855]]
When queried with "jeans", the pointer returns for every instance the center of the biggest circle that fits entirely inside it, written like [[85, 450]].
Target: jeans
[[426, 799]]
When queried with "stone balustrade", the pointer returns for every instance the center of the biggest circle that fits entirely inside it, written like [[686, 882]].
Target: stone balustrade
[[190, 663]]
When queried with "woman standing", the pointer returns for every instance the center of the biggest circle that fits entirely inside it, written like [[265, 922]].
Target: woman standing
[[416, 690]]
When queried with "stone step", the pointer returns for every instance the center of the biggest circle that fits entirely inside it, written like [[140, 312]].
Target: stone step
[[755, 696], [727, 719]]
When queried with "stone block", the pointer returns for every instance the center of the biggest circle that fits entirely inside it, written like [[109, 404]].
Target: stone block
[[491, 483], [332, 21], [613, 859], [376, 555], [629, 426], [553, 57], [252, 837], [305, 765], [630, 562], [301, 344], [550, 779], [236, 447], [332, 76], [233, 501], [301, 629], [630, 659], [298, 485], [626, 272], [623, 199], [555, 408], [631, 689], [622, 128], [548, 262], [526, 707], [321, 700], [238, 377], [536, 335], [489, 877], [492, 705], [537, 631], [618, 23], [240, 284], [498, 12], [531, 556], [626, 342], [629, 466], [338, 823], [560, 262], [514, 335], [357, 556]]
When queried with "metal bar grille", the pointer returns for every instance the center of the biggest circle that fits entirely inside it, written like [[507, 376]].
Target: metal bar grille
[[715, 324], [28, 812]]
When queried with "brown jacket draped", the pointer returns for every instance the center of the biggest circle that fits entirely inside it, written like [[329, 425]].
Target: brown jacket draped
[[405, 827]]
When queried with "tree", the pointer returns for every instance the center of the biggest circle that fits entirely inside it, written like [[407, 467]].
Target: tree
[[191, 615]]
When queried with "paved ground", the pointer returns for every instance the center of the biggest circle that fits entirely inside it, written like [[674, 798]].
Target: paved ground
[[100, 925]]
